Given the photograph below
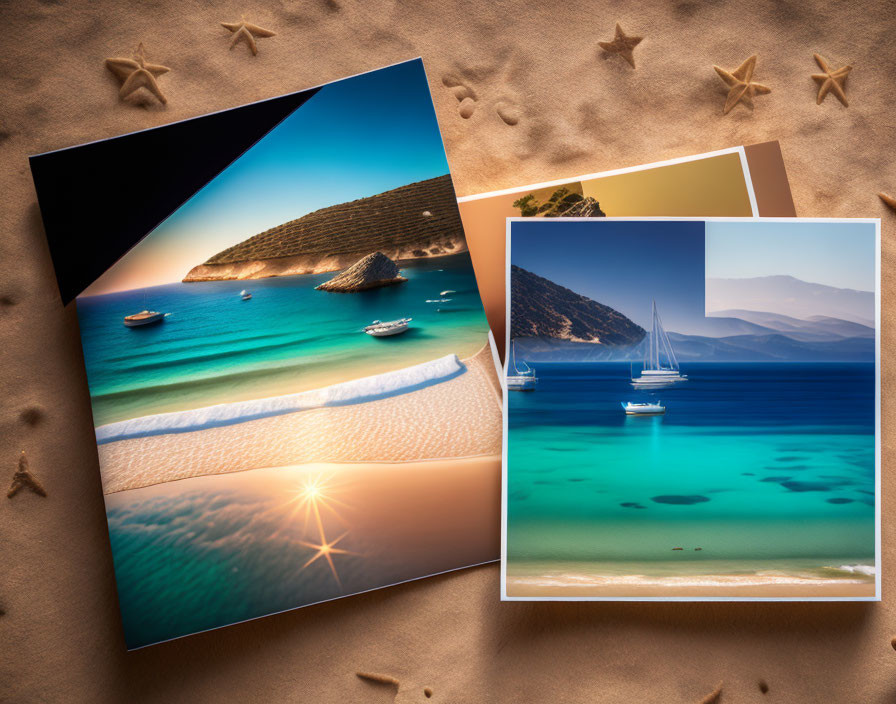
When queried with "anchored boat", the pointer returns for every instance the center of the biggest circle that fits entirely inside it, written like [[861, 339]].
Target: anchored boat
[[392, 327], [660, 364], [144, 317], [644, 409], [522, 379]]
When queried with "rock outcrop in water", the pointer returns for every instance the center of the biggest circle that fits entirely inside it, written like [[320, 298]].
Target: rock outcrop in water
[[541, 308], [372, 271], [416, 221]]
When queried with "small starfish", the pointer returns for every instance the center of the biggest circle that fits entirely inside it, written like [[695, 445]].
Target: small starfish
[[23, 478], [831, 81], [741, 83], [889, 200], [137, 73], [246, 32], [622, 45]]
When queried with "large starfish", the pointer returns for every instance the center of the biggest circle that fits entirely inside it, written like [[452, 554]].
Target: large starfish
[[622, 45], [742, 87], [137, 73], [246, 32], [23, 478], [831, 81]]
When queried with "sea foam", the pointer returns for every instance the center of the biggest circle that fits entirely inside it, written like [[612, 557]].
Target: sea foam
[[371, 388]]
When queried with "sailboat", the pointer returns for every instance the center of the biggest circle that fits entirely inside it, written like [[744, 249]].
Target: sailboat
[[660, 364], [522, 379], [245, 295]]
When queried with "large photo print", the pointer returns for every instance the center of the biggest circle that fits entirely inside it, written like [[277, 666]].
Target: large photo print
[[692, 409], [291, 381]]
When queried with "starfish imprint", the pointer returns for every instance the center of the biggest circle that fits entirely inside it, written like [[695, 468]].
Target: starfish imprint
[[831, 81], [23, 478], [742, 87], [622, 45], [137, 73], [246, 32]]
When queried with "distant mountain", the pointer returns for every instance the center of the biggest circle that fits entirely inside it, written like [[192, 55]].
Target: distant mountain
[[695, 348], [541, 308], [416, 221], [790, 297], [819, 327]]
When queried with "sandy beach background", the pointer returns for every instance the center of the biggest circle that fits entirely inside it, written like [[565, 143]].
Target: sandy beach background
[[571, 110]]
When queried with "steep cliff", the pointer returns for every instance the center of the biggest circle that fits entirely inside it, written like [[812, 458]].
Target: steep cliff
[[541, 308], [411, 222]]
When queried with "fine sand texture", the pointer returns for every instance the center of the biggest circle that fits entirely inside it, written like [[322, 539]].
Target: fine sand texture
[[523, 95]]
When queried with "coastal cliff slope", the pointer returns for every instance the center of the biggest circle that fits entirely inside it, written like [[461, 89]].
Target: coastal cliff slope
[[541, 308], [410, 222], [372, 271]]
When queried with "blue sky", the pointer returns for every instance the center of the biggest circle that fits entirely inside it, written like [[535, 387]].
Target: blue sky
[[357, 137], [623, 265], [840, 254]]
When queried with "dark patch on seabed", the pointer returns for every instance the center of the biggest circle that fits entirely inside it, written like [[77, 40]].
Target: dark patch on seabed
[[679, 499]]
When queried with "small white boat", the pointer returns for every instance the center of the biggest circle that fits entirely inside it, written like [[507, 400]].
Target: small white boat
[[447, 291], [522, 379], [656, 371], [438, 300], [391, 327], [245, 295], [644, 409], [144, 317]]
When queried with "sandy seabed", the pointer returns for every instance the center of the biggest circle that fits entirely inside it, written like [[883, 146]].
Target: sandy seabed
[[578, 112]]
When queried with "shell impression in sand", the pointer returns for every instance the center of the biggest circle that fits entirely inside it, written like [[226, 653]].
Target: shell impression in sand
[[622, 45], [23, 478], [137, 73], [372, 271]]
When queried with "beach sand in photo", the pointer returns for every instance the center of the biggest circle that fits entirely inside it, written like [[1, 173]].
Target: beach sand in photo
[[460, 417]]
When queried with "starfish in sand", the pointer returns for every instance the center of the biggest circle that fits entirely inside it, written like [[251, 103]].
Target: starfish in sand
[[137, 73], [889, 200], [831, 81], [622, 45], [742, 87], [23, 478], [246, 32]]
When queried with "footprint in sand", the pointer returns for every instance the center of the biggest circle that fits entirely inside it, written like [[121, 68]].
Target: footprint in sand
[[468, 100]]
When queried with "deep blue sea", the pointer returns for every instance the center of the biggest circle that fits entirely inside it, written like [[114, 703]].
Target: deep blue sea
[[755, 464], [215, 348]]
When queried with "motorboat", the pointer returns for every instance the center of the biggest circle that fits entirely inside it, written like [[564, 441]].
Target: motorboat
[[144, 317], [643, 409], [522, 379], [379, 328], [245, 295], [660, 364]]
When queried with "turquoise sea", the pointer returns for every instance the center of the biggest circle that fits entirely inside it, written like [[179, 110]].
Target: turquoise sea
[[761, 466], [215, 348]]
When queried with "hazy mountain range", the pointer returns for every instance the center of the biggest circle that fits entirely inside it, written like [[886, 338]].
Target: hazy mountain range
[[804, 327], [790, 297]]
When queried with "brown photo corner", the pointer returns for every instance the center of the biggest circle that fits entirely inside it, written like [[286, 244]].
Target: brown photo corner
[[524, 93]]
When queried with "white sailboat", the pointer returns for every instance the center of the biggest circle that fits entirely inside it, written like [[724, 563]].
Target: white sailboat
[[522, 379], [245, 295], [660, 364]]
